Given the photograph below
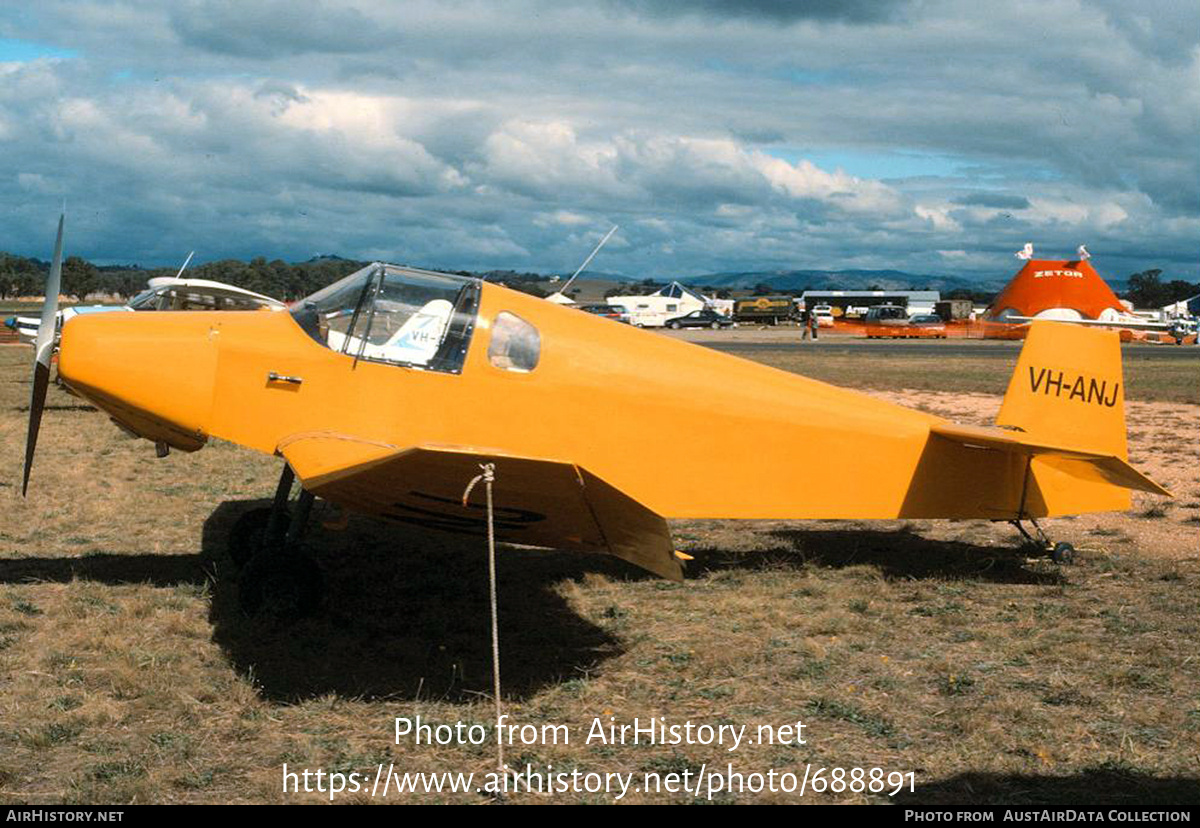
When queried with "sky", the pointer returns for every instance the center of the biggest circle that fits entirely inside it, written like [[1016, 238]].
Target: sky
[[916, 135]]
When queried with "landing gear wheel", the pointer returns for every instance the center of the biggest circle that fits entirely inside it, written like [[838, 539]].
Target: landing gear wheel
[[246, 536], [1063, 553], [280, 585]]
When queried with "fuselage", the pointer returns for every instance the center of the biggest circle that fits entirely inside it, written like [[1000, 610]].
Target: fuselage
[[687, 431]]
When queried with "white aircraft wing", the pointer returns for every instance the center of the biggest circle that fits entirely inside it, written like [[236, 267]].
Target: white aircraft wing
[[1133, 324]]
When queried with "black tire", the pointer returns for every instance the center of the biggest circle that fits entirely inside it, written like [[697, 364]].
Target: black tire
[[715, 325], [281, 585], [674, 326], [246, 536], [1063, 553]]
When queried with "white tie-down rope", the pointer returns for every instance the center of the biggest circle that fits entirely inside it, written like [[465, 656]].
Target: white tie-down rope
[[488, 477]]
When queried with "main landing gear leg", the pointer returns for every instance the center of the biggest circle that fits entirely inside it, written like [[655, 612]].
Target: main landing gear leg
[[278, 576], [1060, 553]]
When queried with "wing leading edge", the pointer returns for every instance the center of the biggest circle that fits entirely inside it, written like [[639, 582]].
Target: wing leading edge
[[537, 502]]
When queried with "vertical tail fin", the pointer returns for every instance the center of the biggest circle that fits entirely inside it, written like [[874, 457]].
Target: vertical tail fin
[[1068, 388]]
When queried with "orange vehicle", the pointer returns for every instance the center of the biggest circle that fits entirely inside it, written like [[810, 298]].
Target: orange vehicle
[[384, 392], [921, 326]]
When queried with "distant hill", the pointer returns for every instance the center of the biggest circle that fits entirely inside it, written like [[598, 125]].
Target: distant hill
[[592, 286], [795, 280]]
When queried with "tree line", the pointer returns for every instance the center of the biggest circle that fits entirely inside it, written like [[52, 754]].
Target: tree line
[[20, 276], [1148, 290]]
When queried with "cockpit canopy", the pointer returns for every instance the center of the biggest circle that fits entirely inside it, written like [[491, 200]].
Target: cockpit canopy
[[399, 315]]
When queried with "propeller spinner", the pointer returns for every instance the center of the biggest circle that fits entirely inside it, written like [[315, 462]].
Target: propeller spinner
[[43, 350]]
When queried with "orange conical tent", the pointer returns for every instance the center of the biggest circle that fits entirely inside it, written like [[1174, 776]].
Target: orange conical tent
[[1042, 287]]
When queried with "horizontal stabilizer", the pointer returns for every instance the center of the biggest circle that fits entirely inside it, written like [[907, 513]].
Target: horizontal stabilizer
[[1109, 467]]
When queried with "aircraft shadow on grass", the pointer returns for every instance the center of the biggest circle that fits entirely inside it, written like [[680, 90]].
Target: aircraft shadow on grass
[[104, 568], [897, 553], [1097, 788], [406, 612]]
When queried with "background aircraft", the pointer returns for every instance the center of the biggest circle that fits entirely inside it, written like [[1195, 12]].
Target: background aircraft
[[162, 293]]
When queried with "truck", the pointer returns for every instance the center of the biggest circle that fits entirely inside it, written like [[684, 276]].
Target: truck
[[766, 310], [952, 310]]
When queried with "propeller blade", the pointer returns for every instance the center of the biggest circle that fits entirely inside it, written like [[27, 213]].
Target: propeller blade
[[43, 350]]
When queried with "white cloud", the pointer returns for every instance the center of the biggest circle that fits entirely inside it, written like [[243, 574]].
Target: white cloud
[[938, 216], [805, 180]]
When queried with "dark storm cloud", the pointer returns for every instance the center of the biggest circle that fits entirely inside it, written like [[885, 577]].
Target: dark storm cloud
[[782, 11], [273, 28], [1161, 30], [996, 200]]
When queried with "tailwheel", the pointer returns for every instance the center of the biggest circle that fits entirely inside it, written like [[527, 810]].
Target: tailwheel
[[1040, 544], [1063, 553]]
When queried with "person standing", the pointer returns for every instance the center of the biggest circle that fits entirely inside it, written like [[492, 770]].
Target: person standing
[[804, 326], [812, 323]]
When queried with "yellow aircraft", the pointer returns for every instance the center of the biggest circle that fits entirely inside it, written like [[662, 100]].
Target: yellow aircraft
[[384, 392]]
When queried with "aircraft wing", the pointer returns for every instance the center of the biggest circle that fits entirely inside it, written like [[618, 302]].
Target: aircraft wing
[[538, 502], [1132, 324], [1108, 467]]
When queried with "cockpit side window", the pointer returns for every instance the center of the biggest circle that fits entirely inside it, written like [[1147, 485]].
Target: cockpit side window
[[402, 316], [515, 345]]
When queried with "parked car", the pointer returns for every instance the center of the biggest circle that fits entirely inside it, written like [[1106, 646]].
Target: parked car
[[930, 325], [614, 312], [885, 315], [918, 326], [824, 314], [700, 319], [925, 319]]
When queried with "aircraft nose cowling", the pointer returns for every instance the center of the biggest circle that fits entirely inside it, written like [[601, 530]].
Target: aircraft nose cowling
[[151, 372]]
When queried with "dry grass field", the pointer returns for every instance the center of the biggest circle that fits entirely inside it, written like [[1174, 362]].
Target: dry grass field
[[127, 673]]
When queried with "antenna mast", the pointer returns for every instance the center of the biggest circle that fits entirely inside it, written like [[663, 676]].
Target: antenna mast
[[587, 261]]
